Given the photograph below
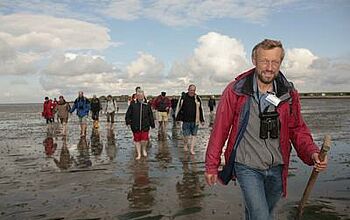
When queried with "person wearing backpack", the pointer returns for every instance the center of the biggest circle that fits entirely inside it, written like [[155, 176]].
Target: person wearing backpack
[[162, 104], [110, 109], [82, 105]]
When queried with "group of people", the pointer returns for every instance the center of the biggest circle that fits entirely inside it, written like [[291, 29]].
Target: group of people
[[82, 106], [258, 119], [139, 116], [187, 109]]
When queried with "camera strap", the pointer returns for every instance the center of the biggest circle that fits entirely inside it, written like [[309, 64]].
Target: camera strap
[[270, 98]]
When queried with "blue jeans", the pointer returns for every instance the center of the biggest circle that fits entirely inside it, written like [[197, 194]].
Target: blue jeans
[[189, 128], [261, 190]]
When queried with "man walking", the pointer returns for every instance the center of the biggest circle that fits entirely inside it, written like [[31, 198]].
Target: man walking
[[162, 104], [82, 105], [259, 114], [190, 112]]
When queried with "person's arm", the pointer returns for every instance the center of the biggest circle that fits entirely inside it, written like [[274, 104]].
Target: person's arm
[[74, 107], [201, 114], [221, 129], [99, 105], [178, 107], [128, 115], [150, 114]]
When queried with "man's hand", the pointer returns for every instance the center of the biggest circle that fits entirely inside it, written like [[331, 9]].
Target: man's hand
[[319, 166], [211, 178]]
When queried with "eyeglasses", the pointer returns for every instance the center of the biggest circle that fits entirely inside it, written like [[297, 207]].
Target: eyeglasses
[[274, 63]]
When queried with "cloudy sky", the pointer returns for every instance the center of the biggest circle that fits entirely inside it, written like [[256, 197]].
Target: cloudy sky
[[52, 48]]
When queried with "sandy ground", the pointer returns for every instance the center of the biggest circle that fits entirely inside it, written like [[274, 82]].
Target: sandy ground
[[46, 176]]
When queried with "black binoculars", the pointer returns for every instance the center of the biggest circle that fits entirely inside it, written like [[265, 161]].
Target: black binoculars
[[269, 123]]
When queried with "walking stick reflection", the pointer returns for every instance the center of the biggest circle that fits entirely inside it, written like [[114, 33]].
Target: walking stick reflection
[[325, 148]]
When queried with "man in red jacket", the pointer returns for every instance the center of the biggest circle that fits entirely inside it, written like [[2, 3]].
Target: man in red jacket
[[259, 114]]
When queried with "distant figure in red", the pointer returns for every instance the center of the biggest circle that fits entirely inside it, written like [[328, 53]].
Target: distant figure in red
[[48, 110], [50, 146]]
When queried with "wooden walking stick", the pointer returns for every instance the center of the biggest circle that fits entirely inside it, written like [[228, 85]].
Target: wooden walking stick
[[325, 148]]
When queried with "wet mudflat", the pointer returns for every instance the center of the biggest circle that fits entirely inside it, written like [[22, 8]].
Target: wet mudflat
[[46, 176]]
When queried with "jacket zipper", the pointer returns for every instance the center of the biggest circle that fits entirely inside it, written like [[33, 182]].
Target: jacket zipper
[[140, 116]]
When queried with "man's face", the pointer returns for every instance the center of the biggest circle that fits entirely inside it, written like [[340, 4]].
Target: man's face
[[140, 96], [267, 64], [192, 91], [81, 94]]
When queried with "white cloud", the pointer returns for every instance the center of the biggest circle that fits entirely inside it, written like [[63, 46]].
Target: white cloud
[[145, 68], [298, 62], [74, 65], [124, 9], [28, 32], [68, 73], [13, 62], [218, 56], [193, 12], [311, 73], [215, 61]]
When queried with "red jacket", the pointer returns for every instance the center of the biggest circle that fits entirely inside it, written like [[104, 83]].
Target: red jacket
[[162, 103], [47, 109], [229, 124]]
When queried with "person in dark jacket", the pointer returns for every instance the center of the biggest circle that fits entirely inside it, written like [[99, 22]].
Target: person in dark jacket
[[139, 117], [259, 119], [174, 101], [189, 110], [211, 103], [95, 110]]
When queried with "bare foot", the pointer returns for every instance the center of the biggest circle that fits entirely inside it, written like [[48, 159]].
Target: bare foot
[[138, 157], [192, 152], [144, 153]]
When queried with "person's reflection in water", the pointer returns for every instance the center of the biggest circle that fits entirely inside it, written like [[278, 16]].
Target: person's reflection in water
[[96, 144], [163, 156], [190, 189], [176, 134], [83, 158], [49, 145], [141, 196], [111, 148], [66, 160]]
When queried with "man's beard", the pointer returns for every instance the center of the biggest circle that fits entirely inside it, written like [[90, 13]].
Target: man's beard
[[263, 80]]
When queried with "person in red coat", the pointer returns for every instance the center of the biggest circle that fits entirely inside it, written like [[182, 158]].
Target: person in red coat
[[47, 112], [259, 118]]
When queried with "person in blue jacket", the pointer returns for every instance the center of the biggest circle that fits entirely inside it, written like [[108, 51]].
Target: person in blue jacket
[[82, 105]]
